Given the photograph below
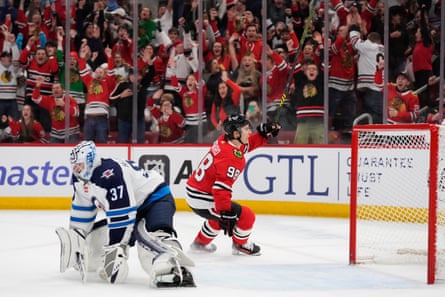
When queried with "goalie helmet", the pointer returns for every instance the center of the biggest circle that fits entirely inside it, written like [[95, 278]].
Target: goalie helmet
[[234, 122], [85, 152]]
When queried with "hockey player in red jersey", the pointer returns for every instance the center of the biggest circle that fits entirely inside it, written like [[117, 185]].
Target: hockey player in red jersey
[[209, 188]]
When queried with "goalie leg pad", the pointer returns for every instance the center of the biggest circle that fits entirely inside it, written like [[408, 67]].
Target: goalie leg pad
[[96, 240], [161, 256], [66, 249], [182, 258], [73, 251]]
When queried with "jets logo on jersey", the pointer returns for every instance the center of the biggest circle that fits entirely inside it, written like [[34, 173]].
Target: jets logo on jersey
[[237, 154], [107, 173]]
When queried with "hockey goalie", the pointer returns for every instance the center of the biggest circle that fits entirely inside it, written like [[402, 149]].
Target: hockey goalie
[[138, 210]]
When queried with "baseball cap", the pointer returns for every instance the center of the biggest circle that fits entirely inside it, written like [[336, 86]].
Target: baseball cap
[[405, 74], [119, 11]]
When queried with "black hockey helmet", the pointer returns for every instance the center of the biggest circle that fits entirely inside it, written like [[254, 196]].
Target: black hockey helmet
[[234, 122]]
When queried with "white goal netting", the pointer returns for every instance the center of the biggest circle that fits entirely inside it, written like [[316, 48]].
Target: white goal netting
[[397, 214]]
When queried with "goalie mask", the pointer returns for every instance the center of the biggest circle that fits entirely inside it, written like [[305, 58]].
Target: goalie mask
[[84, 153], [234, 122]]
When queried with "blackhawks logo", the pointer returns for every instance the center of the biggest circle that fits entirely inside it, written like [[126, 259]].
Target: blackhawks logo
[[58, 114], [398, 104], [347, 60], [6, 76], [119, 78], [74, 76], [95, 88], [309, 90], [165, 131], [188, 101], [238, 154]]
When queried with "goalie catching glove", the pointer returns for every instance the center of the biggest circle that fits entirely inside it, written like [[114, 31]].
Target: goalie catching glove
[[228, 219], [267, 129]]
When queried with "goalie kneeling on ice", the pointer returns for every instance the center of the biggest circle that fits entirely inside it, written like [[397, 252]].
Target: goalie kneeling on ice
[[139, 209], [160, 256]]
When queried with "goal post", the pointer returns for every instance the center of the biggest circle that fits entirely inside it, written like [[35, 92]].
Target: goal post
[[397, 196]]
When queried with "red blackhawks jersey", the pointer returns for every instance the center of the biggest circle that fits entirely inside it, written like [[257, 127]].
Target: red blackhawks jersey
[[58, 115], [171, 128], [211, 183], [276, 79], [406, 102], [37, 134], [48, 70]]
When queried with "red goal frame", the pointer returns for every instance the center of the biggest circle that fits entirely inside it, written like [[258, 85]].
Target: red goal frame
[[432, 194]]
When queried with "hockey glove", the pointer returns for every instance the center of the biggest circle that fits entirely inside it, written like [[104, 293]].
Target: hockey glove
[[267, 129], [227, 221], [228, 218]]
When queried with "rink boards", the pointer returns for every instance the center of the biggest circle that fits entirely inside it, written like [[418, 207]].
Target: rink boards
[[292, 180]]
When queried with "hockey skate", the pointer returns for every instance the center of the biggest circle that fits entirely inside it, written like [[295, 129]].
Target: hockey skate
[[249, 248], [177, 276], [204, 248]]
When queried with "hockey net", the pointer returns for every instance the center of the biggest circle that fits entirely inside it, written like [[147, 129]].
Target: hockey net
[[397, 213]]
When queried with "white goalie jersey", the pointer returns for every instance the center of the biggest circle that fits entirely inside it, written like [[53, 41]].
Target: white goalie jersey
[[119, 188]]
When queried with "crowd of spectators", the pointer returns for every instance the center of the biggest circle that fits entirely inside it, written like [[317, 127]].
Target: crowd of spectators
[[186, 76]]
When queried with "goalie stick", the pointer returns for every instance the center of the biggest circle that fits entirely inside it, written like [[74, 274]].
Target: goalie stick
[[83, 268], [312, 7]]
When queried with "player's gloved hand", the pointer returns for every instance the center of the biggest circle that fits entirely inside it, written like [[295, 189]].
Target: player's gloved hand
[[115, 266], [227, 221], [267, 129], [228, 218]]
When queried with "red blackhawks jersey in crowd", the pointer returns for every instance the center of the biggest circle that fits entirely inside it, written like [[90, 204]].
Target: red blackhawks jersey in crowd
[[48, 70], [190, 102], [250, 47], [406, 102], [171, 128], [58, 115], [211, 183], [37, 133], [276, 79]]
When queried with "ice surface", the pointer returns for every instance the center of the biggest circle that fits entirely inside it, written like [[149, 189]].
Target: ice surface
[[300, 257]]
